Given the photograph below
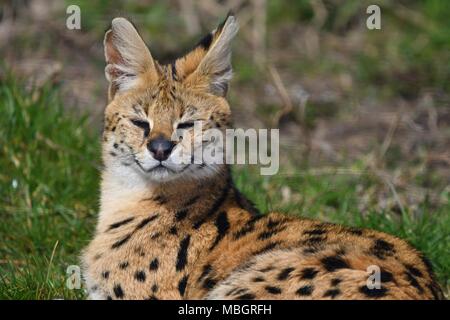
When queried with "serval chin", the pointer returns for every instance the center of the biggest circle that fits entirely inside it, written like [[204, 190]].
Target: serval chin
[[173, 230]]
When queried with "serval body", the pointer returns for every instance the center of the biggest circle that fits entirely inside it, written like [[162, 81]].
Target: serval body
[[183, 231]]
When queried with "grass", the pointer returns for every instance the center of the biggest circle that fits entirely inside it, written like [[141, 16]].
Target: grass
[[412, 46], [49, 194], [48, 191]]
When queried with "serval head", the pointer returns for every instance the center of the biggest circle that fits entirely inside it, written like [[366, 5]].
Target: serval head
[[149, 120]]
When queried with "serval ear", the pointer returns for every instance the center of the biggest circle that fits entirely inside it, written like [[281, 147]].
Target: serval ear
[[208, 66], [129, 62]]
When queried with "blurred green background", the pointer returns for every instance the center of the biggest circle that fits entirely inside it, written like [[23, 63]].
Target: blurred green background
[[364, 118]]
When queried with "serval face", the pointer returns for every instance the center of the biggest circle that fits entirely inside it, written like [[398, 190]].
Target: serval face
[[153, 108]]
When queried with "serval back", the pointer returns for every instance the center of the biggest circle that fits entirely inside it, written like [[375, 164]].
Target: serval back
[[168, 230]]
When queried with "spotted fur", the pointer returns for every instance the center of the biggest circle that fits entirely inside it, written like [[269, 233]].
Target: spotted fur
[[186, 232]]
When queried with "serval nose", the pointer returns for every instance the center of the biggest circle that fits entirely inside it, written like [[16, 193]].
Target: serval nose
[[160, 148]]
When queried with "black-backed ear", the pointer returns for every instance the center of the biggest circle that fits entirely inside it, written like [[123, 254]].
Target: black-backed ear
[[127, 57], [208, 65]]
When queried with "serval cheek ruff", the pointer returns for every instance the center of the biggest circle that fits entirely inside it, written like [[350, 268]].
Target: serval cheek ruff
[[173, 230]]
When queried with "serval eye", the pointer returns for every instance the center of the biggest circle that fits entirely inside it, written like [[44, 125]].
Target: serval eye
[[143, 125], [185, 125]]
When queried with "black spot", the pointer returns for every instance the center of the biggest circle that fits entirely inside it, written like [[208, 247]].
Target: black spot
[[182, 253], [267, 269], [115, 145], [160, 199], [109, 298], [154, 265], [427, 264], [314, 241], [113, 154], [140, 276], [305, 290], [273, 223], [268, 247], [273, 290], [180, 215], [121, 242], [173, 230], [381, 249], [182, 285], [249, 227], [172, 93], [386, 276], [118, 291], [315, 232], [284, 274], [105, 274], [258, 279], [209, 283], [334, 263], [270, 233], [198, 224], [335, 281], [413, 281], [154, 288], [120, 223], [311, 250], [206, 270], [222, 226], [414, 271], [146, 221], [308, 273], [192, 201], [355, 231], [174, 70], [332, 293], [123, 265], [373, 293], [246, 296]]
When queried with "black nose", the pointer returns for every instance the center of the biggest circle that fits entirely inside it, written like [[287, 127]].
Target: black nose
[[160, 148]]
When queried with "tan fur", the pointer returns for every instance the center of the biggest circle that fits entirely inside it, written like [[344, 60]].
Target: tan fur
[[190, 234]]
